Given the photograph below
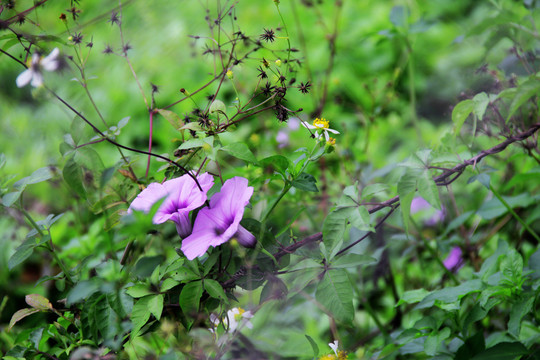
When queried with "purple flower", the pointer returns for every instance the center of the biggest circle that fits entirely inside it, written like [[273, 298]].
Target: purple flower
[[419, 203], [181, 196], [454, 260], [221, 221]]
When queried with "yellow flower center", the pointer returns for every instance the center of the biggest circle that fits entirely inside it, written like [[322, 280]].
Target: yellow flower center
[[321, 123], [239, 316]]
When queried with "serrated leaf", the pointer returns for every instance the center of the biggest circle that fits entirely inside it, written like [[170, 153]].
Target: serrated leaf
[[359, 218], [352, 260], [82, 291], [333, 230], [140, 315], [413, 296], [37, 176], [277, 162], [215, 290], [139, 290], [428, 189], [73, 177], [335, 293], [305, 182], [105, 318], [524, 92], [240, 151], [168, 284], [481, 101], [519, 310], [21, 253], [146, 265], [38, 302], [19, 315], [190, 298], [460, 113], [373, 189], [155, 305], [451, 294]]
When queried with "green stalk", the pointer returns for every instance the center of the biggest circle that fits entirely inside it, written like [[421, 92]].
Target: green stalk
[[516, 216]]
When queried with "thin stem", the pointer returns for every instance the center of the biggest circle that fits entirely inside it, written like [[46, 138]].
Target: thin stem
[[149, 142]]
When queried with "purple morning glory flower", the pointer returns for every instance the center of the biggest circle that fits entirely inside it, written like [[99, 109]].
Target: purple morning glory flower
[[181, 196], [419, 204], [454, 260], [220, 222]]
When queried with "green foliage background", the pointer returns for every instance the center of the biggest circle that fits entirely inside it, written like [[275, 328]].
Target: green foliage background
[[411, 84]]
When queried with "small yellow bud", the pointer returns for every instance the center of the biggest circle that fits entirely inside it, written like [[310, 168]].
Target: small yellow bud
[[278, 62], [70, 38], [230, 74], [331, 141]]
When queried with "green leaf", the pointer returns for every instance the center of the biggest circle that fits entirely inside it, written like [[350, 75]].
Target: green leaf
[[359, 218], [428, 189], [413, 296], [215, 290], [37, 176], [451, 294], [481, 101], [218, 106], [277, 162], [334, 229], [82, 291], [460, 113], [435, 340], [305, 182], [493, 208], [146, 265], [172, 118], [519, 310], [524, 92], [502, 351], [38, 302], [472, 346], [155, 305], [106, 318], [19, 315], [352, 260], [370, 190], [240, 151], [190, 298], [22, 253], [168, 284], [398, 16], [140, 315], [10, 198], [335, 293], [313, 345], [73, 176], [139, 290]]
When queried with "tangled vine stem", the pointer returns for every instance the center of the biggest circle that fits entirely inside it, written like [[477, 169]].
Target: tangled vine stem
[[393, 203]]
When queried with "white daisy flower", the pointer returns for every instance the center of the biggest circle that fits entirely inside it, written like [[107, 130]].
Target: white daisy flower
[[321, 127], [33, 74], [239, 317]]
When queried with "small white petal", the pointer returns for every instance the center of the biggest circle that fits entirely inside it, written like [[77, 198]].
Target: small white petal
[[334, 346], [309, 126], [24, 78], [333, 131], [37, 79]]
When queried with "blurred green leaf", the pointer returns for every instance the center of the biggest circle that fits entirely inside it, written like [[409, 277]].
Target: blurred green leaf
[[313, 345], [19, 315], [39, 302], [305, 182], [502, 351], [73, 176], [524, 92], [215, 290], [146, 265], [460, 113], [240, 151], [155, 305], [335, 293], [190, 298]]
